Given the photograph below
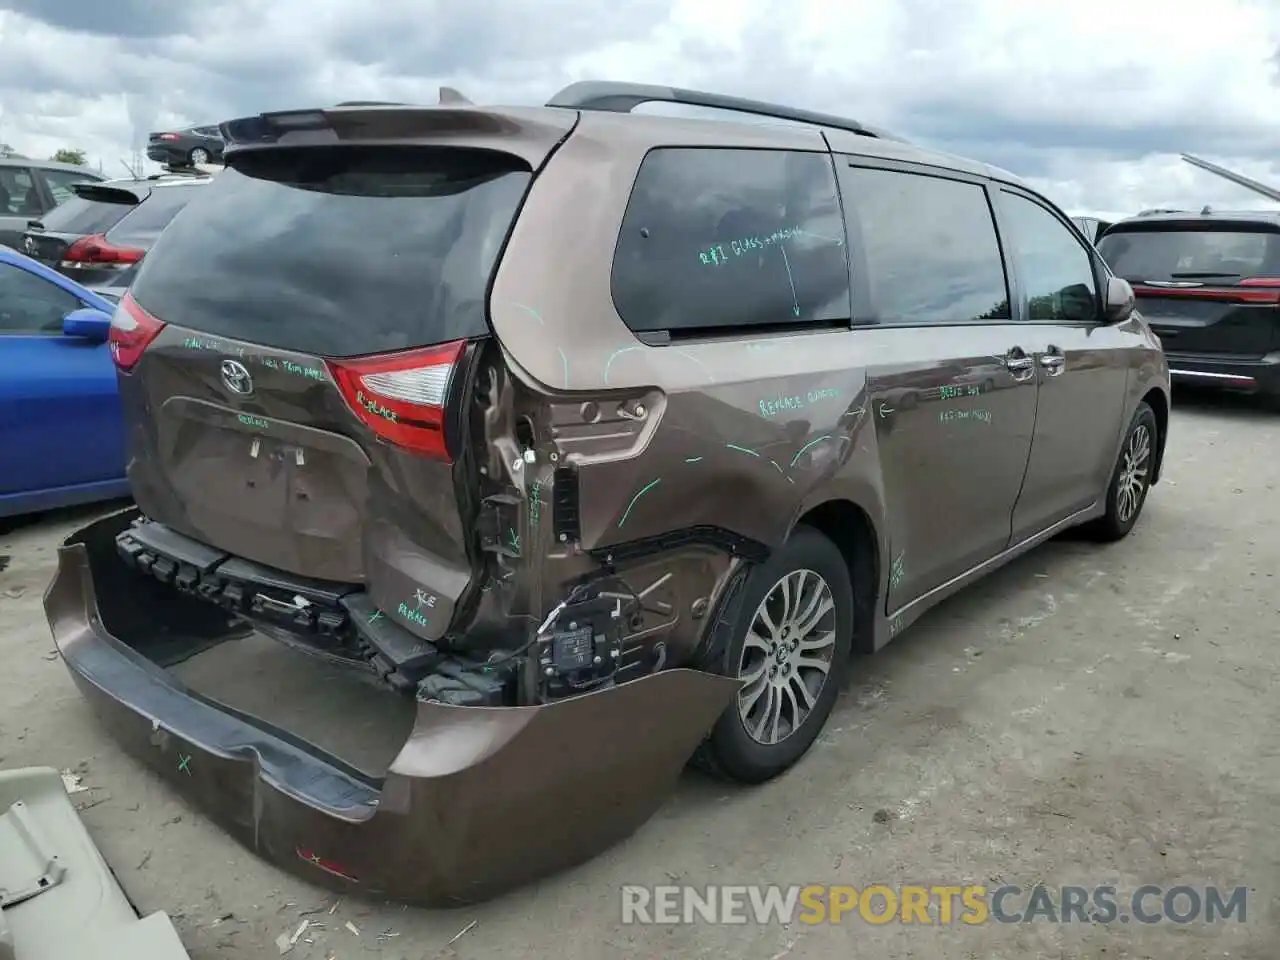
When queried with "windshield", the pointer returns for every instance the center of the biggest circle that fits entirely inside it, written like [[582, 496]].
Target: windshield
[[1164, 255], [339, 251]]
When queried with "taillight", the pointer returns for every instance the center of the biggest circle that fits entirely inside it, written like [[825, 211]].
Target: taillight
[[168, 136], [1252, 290], [132, 330], [401, 396], [98, 251]]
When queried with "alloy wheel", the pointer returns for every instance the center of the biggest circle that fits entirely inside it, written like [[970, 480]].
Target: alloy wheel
[[786, 656], [1133, 473]]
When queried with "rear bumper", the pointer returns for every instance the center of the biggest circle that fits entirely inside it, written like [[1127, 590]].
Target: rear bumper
[[1246, 376], [163, 154], [479, 799]]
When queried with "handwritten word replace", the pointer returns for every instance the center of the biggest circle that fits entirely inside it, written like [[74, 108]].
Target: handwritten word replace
[[772, 406]]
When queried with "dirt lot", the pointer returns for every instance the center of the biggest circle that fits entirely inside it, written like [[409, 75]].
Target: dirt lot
[[1086, 716]]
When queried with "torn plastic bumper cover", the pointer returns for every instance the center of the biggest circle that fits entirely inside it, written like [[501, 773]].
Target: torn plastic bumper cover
[[479, 799]]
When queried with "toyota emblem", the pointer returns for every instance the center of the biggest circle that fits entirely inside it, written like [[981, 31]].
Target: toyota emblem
[[236, 376]]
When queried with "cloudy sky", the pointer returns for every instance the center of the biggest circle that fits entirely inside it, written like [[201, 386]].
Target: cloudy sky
[[1092, 100]]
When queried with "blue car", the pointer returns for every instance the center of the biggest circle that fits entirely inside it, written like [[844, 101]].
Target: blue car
[[61, 429]]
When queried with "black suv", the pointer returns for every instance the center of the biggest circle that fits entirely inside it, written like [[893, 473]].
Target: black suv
[[1209, 285]]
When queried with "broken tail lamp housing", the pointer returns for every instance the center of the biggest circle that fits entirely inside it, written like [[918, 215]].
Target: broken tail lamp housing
[[132, 330], [402, 396]]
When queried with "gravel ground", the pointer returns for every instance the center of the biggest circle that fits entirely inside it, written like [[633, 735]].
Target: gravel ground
[[1088, 715]]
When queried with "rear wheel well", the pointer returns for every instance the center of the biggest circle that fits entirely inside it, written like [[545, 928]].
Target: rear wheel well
[[1159, 405], [849, 528]]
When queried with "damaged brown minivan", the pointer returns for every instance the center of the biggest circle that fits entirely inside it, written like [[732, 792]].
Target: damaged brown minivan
[[596, 440]]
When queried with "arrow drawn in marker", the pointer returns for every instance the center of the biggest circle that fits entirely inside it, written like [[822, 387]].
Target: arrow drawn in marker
[[795, 303], [885, 410]]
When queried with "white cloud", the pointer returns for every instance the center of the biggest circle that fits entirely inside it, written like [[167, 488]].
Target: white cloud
[[1091, 100]]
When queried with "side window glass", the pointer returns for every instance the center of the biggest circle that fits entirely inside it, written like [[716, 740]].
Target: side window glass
[[731, 238], [31, 304], [145, 222], [931, 248], [1056, 271], [59, 183], [18, 194]]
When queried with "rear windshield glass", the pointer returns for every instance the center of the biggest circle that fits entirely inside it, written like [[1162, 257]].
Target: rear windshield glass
[[143, 225], [338, 251], [82, 216], [1203, 255]]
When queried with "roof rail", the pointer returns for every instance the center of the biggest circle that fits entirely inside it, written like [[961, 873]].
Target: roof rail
[[621, 97]]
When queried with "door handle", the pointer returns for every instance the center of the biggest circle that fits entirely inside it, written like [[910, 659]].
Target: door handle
[[1019, 364], [1053, 361]]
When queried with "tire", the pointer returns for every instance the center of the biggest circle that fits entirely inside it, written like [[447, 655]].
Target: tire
[[1123, 512], [805, 563], [198, 155]]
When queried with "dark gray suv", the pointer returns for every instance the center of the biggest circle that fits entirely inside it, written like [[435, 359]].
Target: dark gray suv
[[609, 438]]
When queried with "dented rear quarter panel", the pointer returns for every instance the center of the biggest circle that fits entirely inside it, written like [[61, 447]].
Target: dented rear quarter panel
[[741, 433]]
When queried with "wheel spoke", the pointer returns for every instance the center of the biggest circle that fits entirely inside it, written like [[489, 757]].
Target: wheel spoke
[[797, 715], [784, 618], [815, 596], [809, 699], [818, 641], [755, 674], [812, 663], [826, 606], [755, 642], [748, 698], [775, 716], [762, 616], [767, 709]]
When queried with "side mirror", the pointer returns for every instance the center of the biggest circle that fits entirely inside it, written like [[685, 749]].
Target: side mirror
[[1120, 301], [87, 323]]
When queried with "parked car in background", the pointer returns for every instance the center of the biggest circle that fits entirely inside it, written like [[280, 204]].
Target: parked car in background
[[1091, 227], [31, 188], [185, 148], [61, 432], [108, 227], [1208, 283]]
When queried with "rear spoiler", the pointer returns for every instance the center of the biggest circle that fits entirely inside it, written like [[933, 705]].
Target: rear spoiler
[[104, 194], [530, 133]]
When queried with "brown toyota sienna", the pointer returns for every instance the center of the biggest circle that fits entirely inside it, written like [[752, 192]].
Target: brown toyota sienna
[[599, 439]]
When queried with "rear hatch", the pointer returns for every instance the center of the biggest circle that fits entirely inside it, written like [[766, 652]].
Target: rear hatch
[[294, 355], [1207, 286], [71, 238]]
